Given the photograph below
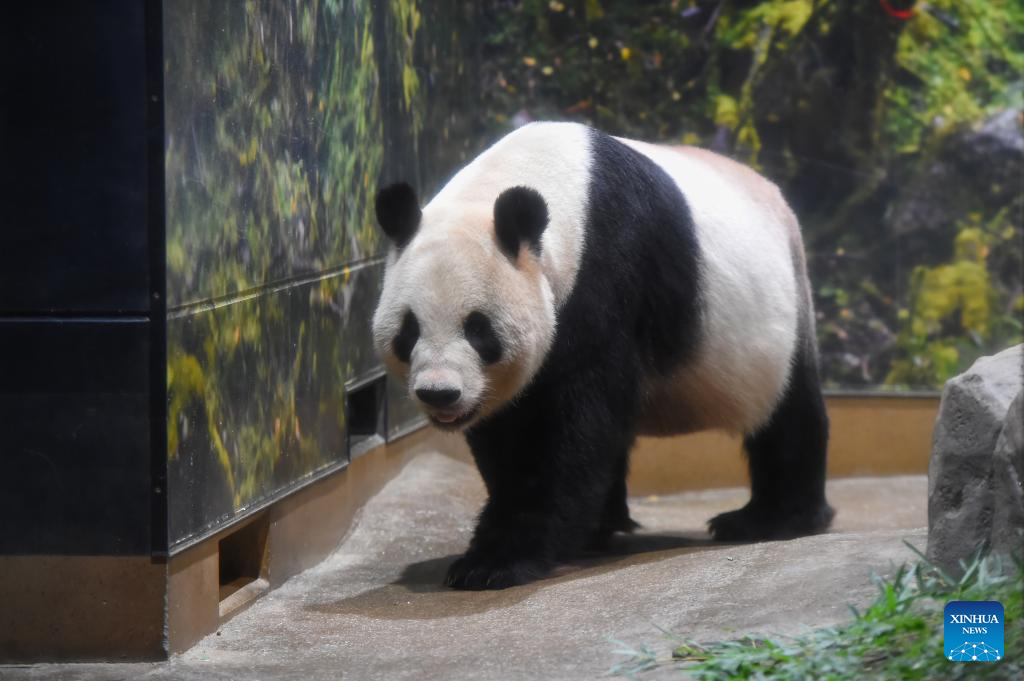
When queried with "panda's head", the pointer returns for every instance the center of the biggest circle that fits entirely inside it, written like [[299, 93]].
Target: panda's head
[[466, 315]]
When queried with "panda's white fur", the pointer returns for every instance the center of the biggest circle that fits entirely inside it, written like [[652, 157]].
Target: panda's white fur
[[745, 232]]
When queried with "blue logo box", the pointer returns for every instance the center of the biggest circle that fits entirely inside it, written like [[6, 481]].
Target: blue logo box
[[973, 631]]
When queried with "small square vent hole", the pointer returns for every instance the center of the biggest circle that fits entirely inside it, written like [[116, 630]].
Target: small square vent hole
[[241, 558], [366, 415]]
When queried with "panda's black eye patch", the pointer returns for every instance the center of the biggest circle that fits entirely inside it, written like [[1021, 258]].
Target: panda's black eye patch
[[481, 336], [407, 336]]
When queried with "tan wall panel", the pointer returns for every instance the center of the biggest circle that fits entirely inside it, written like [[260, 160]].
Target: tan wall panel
[[193, 594], [870, 435], [881, 435], [55, 608]]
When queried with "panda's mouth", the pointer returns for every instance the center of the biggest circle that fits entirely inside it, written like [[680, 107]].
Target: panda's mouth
[[452, 420]]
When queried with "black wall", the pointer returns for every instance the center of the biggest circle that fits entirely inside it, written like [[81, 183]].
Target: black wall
[[81, 236]]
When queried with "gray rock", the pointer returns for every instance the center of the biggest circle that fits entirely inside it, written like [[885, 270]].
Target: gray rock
[[1007, 476], [961, 493], [968, 170], [1000, 134]]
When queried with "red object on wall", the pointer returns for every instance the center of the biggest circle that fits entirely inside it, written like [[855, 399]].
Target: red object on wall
[[903, 14]]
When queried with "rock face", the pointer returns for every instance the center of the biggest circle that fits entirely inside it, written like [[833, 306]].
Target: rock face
[[1007, 476], [975, 501], [967, 167]]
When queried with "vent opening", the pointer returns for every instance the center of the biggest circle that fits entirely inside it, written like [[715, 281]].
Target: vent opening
[[241, 558], [366, 415]]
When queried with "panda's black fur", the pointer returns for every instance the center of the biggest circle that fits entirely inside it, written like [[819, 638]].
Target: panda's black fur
[[555, 459]]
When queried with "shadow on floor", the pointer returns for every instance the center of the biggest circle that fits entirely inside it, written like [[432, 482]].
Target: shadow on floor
[[419, 593]]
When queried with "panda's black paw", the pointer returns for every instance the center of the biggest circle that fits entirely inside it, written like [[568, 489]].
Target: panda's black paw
[[753, 523], [475, 573]]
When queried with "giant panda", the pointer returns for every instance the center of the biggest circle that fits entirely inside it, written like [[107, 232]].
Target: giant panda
[[568, 290]]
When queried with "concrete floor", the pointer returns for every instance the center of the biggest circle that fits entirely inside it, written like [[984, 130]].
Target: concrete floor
[[376, 610]]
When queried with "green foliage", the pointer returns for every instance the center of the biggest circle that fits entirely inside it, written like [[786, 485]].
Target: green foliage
[[955, 77], [954, 309], [899, 636], [744, 29]]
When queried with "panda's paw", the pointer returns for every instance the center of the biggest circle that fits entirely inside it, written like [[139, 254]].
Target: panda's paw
[[475, 573], [752, 523]]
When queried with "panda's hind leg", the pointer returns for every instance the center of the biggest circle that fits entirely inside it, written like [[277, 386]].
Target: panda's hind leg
[[787, 459]]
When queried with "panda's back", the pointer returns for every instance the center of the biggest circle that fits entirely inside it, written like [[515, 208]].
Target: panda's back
[[747, 236]]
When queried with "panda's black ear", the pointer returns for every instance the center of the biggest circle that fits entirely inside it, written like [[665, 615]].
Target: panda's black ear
[[398, 212], [520, 216]]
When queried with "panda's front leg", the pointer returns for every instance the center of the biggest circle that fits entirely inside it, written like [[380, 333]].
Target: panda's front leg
[[511, 546], [549, 474]]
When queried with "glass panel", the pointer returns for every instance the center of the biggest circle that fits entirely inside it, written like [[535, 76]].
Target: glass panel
[[277, 116], [256, 391], [274, 142]]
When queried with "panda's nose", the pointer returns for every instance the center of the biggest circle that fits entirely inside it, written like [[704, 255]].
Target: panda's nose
[[438, 397]]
